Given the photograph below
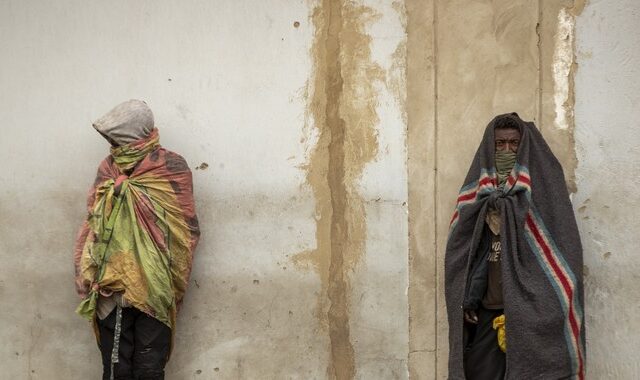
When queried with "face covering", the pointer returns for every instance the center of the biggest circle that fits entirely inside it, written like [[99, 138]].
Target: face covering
[[504, 164], [127, 156], [129, 128]]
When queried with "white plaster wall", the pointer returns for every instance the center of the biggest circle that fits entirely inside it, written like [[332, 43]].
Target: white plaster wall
[[226, 81], [608, 146]]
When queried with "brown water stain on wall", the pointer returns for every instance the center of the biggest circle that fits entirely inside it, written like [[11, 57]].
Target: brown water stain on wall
[[342, 106], [397, 78]]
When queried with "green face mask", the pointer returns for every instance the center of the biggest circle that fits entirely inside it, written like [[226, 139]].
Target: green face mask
[[504, 164]]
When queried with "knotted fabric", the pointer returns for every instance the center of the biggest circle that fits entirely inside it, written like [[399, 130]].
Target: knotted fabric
[[140, 232]]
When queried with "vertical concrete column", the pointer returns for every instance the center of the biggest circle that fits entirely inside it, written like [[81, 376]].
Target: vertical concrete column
[[487, 64], [421, 162]]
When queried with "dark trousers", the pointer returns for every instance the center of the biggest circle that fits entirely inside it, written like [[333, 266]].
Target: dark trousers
[[144, 346], [483, 359]]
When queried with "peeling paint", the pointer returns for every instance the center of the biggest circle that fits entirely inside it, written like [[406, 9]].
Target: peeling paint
[[342, 106], [563, 61], [396, 77], [557, 99]]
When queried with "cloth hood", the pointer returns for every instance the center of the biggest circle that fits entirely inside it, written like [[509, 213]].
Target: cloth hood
[[125, 123]]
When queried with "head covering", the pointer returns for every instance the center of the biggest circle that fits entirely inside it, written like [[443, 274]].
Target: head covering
[[125, 123], [541, 259]]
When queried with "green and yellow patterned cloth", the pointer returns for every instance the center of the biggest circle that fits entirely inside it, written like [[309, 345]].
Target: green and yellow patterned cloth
[[140, 233]]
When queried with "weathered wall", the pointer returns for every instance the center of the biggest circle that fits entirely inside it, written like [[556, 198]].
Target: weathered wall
[[209, 71], [355, 104], [468, 61], [607, 142], [294, 106], [328, 140]]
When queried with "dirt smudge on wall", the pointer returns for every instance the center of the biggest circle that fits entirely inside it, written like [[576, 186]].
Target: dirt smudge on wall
[[342, 107], [397, 78]]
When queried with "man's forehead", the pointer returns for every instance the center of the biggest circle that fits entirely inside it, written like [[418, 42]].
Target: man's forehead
[[506, 133]]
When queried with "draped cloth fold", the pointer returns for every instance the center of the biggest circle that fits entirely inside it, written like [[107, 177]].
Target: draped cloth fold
[[541, 259], [140, 232]]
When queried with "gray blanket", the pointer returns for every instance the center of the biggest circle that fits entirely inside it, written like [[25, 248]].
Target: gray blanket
[[541, 260]]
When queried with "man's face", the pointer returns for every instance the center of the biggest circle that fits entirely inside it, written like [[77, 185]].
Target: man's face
[[507, 140]]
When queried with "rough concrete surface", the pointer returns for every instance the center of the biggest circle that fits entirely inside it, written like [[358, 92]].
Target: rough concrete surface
[[226, 82], [486, 65], [236, 88], [466, 62], [328, 140], [607, 138], [421, 167], [345, 106]]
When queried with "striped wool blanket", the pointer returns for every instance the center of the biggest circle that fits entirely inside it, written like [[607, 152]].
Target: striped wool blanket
[[541, 259]]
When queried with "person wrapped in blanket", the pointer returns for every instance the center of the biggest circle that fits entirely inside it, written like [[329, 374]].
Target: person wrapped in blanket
[[513, 263], [133, 253]]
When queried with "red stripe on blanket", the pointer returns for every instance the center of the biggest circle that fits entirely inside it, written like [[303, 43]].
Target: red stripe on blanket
[[566, 285]]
